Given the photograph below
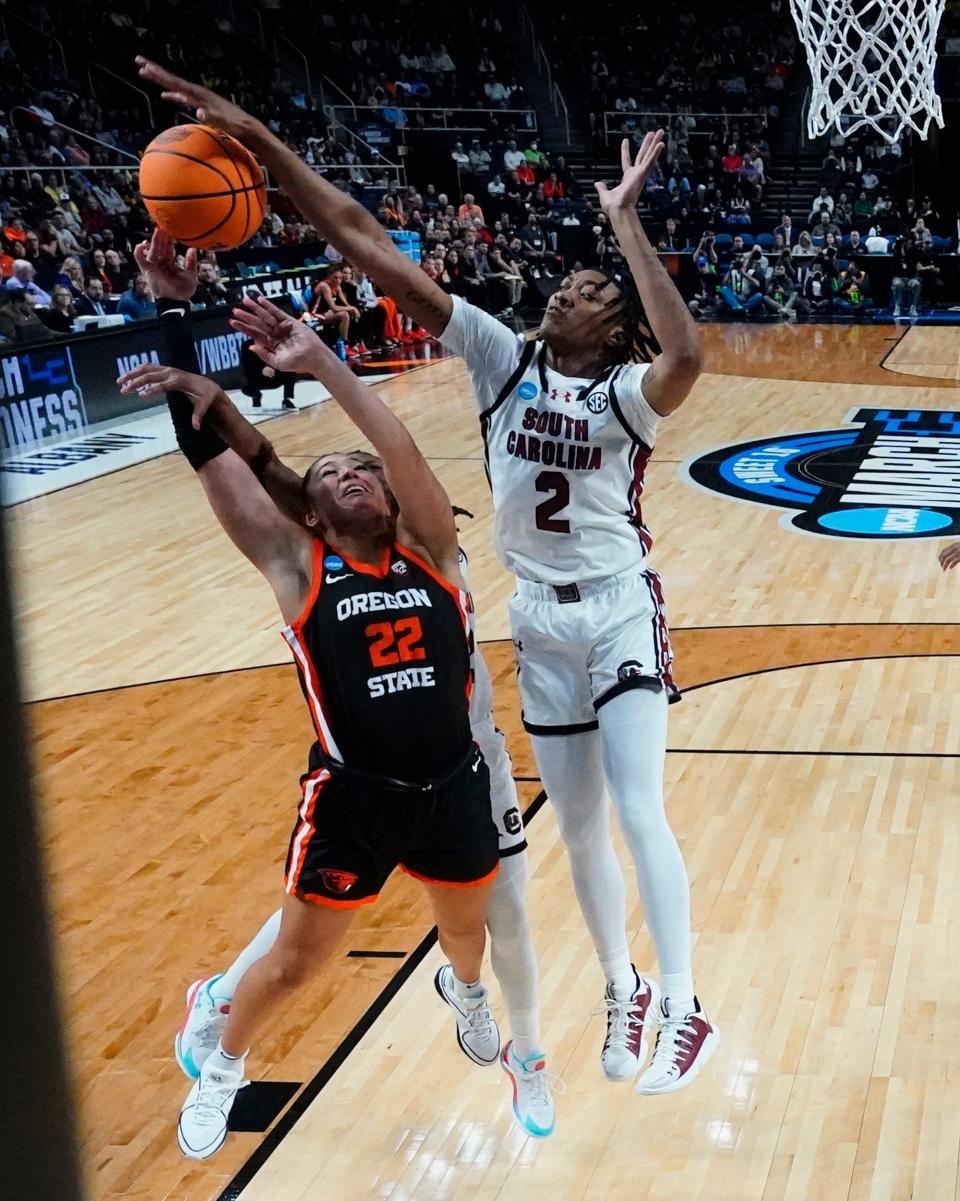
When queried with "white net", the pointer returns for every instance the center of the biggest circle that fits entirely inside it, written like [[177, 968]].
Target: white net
[[872, 63]]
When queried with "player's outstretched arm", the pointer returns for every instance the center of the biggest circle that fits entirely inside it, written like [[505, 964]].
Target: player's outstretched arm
[[273, 543], [669, 381], [287, 345], [356, 233]]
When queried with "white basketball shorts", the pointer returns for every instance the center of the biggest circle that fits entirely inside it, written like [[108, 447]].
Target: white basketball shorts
[[580, 645]]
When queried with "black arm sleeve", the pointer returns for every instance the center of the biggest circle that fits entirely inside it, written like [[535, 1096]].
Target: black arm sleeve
[[176, 338]]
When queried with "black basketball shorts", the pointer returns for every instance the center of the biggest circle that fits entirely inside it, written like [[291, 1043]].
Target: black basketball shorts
[[351, 834]]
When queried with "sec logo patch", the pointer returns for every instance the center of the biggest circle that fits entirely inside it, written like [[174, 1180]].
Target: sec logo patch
[[598, 402]]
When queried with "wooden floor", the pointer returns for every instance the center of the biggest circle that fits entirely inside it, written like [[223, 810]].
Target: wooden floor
[[813, 780]]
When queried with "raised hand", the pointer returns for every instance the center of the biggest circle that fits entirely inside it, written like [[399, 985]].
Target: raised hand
[[168, 276], [152, 379], [625, 195], [281, 342], [209, 107]]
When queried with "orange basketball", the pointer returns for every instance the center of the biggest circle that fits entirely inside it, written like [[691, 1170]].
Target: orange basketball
[[203, 187]]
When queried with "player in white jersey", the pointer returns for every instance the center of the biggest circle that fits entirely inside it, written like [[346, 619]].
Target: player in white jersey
[[569, 423]]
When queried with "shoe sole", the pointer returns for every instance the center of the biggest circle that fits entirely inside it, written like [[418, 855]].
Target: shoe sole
[[710, 1044], [538, 1133], [653, 1007], [177, 1045], [482, 1063]]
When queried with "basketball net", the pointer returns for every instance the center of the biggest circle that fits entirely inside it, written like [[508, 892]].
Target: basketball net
[[872, 63]]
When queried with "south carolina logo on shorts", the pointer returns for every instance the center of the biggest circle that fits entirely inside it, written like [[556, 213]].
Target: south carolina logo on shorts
[[399, 568], [337, 881], [631, 670], [597, 402]]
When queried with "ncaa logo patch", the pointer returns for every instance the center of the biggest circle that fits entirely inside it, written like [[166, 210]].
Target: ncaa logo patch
[[399, 568], [597, 402], [333, 563], [896, 476], [337, 881], [527, 390]]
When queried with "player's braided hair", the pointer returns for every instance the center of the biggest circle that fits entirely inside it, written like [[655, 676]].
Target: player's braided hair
[[639, 344]]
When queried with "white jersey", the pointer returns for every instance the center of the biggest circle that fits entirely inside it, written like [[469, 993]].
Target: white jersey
[[565, 457]]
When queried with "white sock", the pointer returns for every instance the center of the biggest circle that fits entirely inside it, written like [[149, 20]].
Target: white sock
[[678, 992], [220, 1061], [465, 991], [633, 728], [620, 973], [571, 769], [225, 988]]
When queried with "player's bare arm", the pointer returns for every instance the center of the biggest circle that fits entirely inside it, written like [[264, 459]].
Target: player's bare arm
[[278, 547], [287, 345], [674, 372], [356, 233]]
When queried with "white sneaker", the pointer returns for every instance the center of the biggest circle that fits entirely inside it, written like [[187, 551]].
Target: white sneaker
[[684, 1044], [913, 311], [896, 311], [532, 1095], [202, 1128], [477, 1032], [625, 1047], [203, 1024]]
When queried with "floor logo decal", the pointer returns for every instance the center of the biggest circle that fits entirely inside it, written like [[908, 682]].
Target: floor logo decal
[[896, 476]]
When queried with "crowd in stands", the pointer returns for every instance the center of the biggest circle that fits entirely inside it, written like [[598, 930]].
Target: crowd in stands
[[514, 216]]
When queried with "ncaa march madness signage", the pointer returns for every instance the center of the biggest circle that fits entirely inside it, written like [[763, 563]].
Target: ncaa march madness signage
[[896, 475]]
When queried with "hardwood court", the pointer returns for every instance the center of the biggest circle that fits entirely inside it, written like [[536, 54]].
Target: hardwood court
[[813, 781]]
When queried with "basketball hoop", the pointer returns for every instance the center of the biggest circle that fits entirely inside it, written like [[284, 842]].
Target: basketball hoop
[[872, 63]]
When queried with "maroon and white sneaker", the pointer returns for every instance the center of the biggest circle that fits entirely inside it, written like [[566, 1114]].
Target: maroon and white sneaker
[[684, 1044], [625, 1047]]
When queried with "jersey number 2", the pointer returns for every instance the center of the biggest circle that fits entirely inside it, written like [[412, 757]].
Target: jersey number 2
[[393, 642], [559, 486]]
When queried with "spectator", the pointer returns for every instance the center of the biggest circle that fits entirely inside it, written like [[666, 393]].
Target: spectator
[[931, 284], [470, 210], [823, 200], [534, 244], [98, 263], [853, 296], [782, 294], [738, 208], [479, 158], [553, 187], [117, 271], [496, 187], [59, 317], [460, 157], [741, 290], [906, 281], [138, 302], [18, 318], [22, 282], [730, 164], [71, 277], [855, 244], [512, 157], [752, 178], [870, 181], [210, 292], [90, 304], [824, 226], [786, 230]]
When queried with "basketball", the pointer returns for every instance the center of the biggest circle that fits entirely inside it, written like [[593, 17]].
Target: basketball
[[203, 187]]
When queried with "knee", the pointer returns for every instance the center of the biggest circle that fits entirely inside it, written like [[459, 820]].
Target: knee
[[288, 968]]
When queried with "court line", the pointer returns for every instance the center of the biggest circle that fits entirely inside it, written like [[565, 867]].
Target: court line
[[680, 750], [281, 663], [334, 1062]]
